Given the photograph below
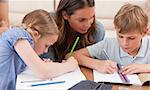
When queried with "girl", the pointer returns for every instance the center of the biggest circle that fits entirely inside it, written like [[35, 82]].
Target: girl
[[18, 48]]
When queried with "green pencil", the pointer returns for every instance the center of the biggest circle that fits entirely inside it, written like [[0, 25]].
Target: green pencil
[[74, 45]]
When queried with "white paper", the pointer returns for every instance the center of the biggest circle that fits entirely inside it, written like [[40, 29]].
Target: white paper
[[70, 79], [115, 78]]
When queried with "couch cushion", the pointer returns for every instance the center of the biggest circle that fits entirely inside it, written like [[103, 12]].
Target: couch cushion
[[19, 8]]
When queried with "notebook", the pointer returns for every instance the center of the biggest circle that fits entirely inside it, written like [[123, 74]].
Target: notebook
[[27, 78], [134, 79]]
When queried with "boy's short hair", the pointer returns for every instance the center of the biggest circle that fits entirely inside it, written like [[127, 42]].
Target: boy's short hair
[[131, 18]]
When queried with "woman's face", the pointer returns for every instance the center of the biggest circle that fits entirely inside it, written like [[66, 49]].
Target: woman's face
[[81, 19]]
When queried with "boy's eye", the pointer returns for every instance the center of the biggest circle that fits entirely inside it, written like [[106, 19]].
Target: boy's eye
[[131, 38]]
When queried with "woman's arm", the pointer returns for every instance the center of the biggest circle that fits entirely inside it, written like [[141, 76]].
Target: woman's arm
[[43, 69], [3, 26], [4, 12], [4, 23]]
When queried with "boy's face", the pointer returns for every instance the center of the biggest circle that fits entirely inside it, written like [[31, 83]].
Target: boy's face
[[130, 42], [43, 43]]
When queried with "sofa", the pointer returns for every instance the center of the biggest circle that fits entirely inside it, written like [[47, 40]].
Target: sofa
[[105, 10]]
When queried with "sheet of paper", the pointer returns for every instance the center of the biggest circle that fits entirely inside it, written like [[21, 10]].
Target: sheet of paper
[[115, 78], [70, 79]]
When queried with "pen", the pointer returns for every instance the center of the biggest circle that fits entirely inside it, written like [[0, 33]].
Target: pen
[[74, 45], [32, 81], [39, 80], [118, 66], [49, 83]]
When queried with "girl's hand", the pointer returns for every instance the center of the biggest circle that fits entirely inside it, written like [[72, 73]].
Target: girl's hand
[[106, 66], [73, 64], [47, 60], [67, 55], [135, 68]]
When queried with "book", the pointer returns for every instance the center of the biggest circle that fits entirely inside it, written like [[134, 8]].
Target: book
[[134, 79], [27, 79], [145, 79]]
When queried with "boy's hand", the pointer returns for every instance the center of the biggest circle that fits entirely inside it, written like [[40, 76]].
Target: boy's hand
[[135, 68], [107, 66]]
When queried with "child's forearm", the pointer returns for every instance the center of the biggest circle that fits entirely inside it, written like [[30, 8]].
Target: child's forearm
[[54, 69], [148, 68]]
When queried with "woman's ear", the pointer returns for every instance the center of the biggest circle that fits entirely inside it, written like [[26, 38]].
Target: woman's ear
[[65, 15]]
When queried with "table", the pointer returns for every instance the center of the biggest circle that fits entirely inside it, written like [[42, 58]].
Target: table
[[89, 76]]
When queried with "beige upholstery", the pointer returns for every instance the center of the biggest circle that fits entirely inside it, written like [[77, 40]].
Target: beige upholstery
[[105, 9], [18, 8]]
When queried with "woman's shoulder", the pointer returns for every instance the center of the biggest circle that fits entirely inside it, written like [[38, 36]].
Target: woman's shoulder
[[99, 24], [100, 31]]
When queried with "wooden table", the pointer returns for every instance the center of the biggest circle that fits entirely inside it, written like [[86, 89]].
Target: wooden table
[[89, 76]]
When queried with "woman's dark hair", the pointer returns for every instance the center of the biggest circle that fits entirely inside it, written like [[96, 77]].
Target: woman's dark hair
[[68, 35]]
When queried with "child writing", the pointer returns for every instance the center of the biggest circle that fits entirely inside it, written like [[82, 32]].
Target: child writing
[[18, 48], [131, 48]]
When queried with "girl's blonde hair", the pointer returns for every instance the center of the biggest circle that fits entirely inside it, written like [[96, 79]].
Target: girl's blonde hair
[[40, 21], [131, 18]]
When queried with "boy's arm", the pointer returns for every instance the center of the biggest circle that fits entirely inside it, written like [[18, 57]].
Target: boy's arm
[[136, 68], [84, 59], [42, 69]]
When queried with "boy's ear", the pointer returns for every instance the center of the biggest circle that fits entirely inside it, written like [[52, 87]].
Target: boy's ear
[[36, 34], [65, 15], [146, 31]]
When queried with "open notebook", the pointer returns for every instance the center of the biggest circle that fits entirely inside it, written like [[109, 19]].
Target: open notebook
[[27, 78], [115, 78]]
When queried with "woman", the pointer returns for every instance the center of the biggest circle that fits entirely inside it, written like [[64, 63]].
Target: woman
[[75, 18]]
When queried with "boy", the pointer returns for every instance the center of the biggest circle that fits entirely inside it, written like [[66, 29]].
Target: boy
[[131, 48]]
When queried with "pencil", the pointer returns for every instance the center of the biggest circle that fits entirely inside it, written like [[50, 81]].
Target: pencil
[[123, 77], [49, 83], [73, 47]]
